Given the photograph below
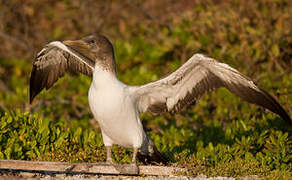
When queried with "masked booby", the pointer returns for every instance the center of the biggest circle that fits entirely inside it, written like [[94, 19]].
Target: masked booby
[[116, 106]]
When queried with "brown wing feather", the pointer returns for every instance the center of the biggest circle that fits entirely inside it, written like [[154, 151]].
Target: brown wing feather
[[192, 80], [197, 91], [51, 64], [264, 99]]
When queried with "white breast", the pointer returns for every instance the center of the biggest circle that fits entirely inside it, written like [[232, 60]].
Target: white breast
[[113, 108]]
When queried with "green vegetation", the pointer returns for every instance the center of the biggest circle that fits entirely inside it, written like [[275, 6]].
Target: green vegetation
[[220, 136]]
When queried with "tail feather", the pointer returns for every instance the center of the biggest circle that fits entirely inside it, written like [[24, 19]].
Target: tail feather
[[150, 154]]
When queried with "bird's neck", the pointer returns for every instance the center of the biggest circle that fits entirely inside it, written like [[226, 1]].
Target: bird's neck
[[104, 78], [106, 62]]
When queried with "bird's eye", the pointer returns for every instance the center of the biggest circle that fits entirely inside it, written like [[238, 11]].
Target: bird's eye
[[92, 41]]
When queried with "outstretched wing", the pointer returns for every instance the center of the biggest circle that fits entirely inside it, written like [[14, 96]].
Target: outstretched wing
[[52, 62], [197, 76]]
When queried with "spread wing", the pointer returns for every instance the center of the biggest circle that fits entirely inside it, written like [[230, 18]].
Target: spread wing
[[197, 76], [52, 62]]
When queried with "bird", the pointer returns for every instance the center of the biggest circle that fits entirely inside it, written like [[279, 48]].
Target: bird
[[117, 106]]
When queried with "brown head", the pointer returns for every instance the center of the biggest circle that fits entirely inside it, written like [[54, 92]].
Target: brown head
[[96, 48]]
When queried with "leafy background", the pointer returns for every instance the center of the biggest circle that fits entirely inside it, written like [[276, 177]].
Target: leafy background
[[220, 136]]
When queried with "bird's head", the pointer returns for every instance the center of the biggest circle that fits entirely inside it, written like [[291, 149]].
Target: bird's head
[[97, 48]]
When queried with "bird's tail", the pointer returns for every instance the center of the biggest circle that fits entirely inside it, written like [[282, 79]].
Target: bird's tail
[[150, 154]]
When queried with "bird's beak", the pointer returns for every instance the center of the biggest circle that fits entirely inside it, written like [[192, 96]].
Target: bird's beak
[[81, 48]]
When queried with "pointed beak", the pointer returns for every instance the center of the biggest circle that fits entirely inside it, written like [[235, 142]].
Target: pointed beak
[[80, 47], [75, 43]]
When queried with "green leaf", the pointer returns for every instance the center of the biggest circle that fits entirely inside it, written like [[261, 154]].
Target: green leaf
[[275, 50]]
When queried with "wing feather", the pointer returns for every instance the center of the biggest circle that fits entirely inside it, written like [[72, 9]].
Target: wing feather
[[52, 62], [192, 80]]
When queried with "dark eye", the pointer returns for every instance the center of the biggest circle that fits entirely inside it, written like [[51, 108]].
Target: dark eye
[[91, 41]]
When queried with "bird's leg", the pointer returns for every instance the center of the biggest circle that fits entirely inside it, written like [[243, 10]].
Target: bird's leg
[[131, 168], [109, 159], [134, 159], [135, 168]]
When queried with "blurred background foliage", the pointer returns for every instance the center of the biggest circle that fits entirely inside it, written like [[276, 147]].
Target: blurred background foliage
[[221, 135]]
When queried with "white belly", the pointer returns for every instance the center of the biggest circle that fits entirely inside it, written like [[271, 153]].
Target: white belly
[[116, 115]]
